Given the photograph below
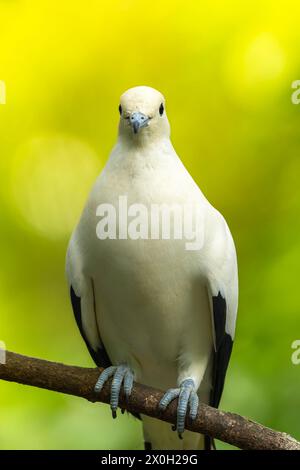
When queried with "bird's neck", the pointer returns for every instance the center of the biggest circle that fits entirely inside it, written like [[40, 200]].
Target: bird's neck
[[143, 141], [148, 150]]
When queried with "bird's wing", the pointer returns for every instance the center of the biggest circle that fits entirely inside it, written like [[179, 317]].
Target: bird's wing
[[83, 303], [223, 300]]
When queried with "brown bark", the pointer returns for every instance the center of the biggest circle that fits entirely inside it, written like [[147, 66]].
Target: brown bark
[[78, 381]]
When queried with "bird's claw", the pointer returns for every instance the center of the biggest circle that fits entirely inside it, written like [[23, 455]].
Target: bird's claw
[[121, 375], [186, 396]]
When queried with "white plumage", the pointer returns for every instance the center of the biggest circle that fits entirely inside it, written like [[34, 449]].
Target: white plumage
[[151, 304]]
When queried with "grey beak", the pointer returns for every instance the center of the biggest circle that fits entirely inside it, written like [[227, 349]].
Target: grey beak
[[138, 120]]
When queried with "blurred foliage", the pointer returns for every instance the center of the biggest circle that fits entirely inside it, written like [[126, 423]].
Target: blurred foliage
[[226, 70]]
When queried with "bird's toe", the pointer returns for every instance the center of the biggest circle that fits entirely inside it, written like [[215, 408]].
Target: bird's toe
[[103, 377], [121, 375], [169, 396], [128, 382], [194, 405], [187, 397], [183, 400]]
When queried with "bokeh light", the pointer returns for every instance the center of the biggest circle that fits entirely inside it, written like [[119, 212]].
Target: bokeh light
[[51, 177]]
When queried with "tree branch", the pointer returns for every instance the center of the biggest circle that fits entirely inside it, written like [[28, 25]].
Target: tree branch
[[78, 381]]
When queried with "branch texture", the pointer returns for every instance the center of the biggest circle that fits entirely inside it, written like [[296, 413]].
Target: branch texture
[[78, 381]]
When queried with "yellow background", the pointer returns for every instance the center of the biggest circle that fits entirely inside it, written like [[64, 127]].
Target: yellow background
[[226, 69]]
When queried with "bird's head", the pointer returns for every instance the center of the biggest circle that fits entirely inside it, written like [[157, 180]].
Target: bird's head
[[143, 115]]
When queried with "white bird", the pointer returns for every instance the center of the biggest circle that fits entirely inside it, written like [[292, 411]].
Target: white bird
[[149, 309]]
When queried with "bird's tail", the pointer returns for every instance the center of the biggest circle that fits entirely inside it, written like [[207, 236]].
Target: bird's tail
[[158, 435]]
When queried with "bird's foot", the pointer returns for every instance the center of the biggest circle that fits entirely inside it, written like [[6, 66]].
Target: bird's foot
[[187, 395], [121, 375]]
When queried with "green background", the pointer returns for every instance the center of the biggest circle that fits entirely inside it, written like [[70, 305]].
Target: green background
[[226, 69]]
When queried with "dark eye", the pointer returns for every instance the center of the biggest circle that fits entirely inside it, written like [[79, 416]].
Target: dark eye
[[120, 109], [161, 109]]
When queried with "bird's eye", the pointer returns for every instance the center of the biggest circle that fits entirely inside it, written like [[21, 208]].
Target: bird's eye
[[161, 109], [120, 110]]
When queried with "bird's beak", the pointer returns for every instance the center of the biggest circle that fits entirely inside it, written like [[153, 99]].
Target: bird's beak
[[138, 120]]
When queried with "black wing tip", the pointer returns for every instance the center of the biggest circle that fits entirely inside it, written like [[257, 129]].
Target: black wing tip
[[224, 344], [222, 357]]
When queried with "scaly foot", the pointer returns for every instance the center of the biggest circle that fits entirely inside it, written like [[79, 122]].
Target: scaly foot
[[186, 396], [121, 375]]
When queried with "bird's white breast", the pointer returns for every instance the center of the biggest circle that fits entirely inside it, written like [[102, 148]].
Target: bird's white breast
[[150, 294]]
